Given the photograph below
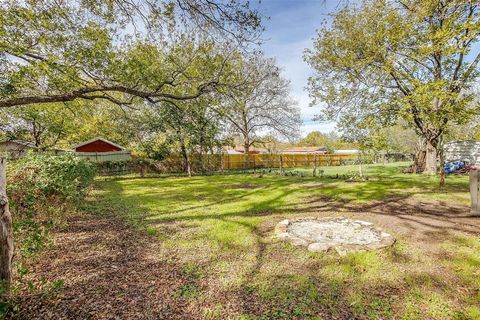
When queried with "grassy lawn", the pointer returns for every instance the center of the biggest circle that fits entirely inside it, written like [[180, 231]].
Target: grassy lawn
[[218, 230]]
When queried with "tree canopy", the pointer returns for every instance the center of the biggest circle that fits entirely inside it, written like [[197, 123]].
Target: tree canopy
[[390, 60], [114, 50], [259, 103]]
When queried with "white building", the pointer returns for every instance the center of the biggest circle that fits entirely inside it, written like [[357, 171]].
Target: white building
[[352, 151], [467, 151]]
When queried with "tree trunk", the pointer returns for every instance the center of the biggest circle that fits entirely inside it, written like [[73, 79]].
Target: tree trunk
[[222, 163], [442, 169], [314, 173], [186, 161], [442, 162], [246, 151], [246, 145], [360, 168], [431, 158], [6, 232]]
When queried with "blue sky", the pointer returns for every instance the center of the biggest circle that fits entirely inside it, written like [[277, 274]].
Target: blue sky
[[290, 29]]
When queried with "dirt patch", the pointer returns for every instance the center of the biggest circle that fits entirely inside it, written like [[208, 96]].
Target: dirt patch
[[109, 271], [424, 222]]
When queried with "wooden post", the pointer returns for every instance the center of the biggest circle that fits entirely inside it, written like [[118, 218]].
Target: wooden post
[[6, 232], [314, 165], [222, 162], [281, 165], [475, 191]]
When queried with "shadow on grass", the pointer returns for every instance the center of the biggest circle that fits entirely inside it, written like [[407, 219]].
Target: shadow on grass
[[282, 282]]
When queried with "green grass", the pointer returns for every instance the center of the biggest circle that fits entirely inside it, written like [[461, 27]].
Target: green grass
[[219, 228]]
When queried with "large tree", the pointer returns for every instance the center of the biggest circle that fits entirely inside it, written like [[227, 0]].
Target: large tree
[[57, 51], [119, 51], [399, 59], [258, 102]]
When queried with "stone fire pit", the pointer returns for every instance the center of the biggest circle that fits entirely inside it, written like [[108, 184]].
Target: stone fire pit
[[339, 234]]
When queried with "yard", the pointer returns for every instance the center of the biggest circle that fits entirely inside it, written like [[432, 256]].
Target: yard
[[202, 248]]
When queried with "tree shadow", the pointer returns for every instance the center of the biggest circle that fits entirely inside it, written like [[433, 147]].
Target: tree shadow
[[310, 288]]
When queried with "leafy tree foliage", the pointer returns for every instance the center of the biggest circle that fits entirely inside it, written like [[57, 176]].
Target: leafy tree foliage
[[45, 125], [54, 51], [119, 51], [186, 128], [329, 140], [391, 60]]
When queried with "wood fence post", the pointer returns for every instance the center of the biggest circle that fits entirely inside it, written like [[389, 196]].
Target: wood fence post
[[475, 191], [222, 162], [314, 165], [281, 165], [6, 231]]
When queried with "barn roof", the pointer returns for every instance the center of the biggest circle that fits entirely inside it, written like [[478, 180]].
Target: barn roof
[[98, 139]]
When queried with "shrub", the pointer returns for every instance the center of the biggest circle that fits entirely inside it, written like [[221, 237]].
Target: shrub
[[40, 184], [42, 190]]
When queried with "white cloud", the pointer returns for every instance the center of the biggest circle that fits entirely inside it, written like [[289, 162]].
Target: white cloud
[[290, 30]]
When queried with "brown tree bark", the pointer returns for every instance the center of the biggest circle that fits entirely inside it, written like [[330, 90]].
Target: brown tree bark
[[430, 158], [443, 174], [101, 92], [6, 231], [246, 145], [186, 160]]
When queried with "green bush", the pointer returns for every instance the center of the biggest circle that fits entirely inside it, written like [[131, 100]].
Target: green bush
[[40, 184], [42, 191]]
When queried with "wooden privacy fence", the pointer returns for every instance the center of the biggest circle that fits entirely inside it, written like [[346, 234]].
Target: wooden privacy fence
[[219, 162], [241, 161]]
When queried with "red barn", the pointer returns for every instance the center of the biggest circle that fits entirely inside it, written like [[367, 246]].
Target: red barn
[[98, 145], [99, 149]]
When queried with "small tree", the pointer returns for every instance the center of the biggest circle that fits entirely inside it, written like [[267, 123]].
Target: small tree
[[45, 125]]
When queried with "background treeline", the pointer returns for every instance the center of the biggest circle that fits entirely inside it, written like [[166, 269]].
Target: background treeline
[[252, 106]]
